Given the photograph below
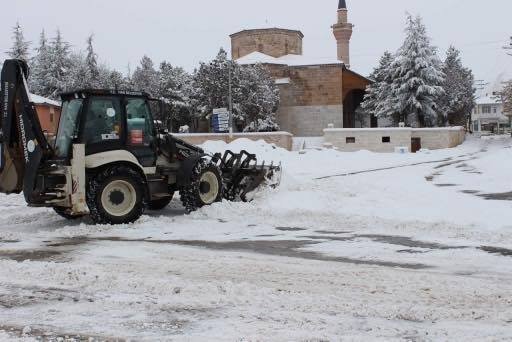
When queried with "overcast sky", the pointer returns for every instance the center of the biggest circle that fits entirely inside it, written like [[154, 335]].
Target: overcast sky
[[187, 32]]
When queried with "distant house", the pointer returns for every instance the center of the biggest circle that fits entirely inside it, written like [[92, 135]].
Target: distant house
[[48, 112], [488, 115]]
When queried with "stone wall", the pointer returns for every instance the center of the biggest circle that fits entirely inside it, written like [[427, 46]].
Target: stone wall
[[273, 42], [311, 100], [438, 138], [280, 139], [313, 86], [387, 139], [371, 139], [309, 121]]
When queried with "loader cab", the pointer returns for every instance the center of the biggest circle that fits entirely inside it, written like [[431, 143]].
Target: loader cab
[[107, 121]]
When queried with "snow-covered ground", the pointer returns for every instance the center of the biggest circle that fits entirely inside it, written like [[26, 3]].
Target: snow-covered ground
[[352, 246]]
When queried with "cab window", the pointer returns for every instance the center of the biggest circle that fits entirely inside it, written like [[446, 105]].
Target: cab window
[[139, 123], [103, 120]]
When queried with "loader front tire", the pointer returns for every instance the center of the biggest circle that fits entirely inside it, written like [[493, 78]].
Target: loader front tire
[[205, 187], [116, 195]]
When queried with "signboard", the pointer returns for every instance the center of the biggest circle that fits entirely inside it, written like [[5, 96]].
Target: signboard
[[220, 120]]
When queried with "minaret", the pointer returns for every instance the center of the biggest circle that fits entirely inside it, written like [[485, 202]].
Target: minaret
[[343, 32]]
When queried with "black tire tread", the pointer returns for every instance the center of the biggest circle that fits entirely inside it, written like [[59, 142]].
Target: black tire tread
[[98, 181], [190, 193]]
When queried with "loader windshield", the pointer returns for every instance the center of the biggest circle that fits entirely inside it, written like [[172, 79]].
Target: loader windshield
[[68, 128]]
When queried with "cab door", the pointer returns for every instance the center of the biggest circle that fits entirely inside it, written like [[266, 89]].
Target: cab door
[[140, 131], [102, 125]]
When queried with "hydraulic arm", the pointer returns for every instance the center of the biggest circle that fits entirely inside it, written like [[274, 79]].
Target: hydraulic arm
[[23, 146]]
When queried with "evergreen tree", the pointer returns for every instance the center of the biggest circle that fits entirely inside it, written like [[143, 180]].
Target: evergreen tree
[[20, 47], [77, 76], [41, 68], [416, 78], [459, 98], [145, 77], [176, 88], [254, 95], [376, 91], [212, 83], [111, 79], [260, 99], [506, 97], [92, 71], [60, 66]]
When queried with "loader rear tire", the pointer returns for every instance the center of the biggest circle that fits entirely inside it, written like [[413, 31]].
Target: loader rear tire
[[205, 187], [116, 195]]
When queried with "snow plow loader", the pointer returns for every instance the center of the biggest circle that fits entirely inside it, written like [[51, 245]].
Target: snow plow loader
[[108, 159]]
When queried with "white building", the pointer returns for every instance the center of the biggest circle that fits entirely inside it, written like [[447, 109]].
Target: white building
[[488, 115]]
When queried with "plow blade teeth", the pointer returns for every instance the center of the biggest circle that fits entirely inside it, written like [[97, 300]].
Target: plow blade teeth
[[243, 175], [273, 176]]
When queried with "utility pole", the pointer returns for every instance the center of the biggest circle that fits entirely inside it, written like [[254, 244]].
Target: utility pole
[[230, 100]]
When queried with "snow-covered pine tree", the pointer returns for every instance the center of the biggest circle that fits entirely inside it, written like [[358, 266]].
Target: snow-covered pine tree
[[77, 76], [254, 93], [506, 97], [20, 47], [40, 68], [260, 99], [145, 77], [60, 65], [378, 91], [417, 78], [176, 88], [459, 98], [211, 83], [111, 79], [91, 62]]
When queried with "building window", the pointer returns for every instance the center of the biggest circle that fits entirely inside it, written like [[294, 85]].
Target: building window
[[494, 110], [351, 140], [486, 109], [52, 112], [386, 140]]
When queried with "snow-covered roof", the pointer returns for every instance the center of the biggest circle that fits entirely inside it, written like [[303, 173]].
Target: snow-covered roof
[[488, 100], [43, 100], [289, 60], [258, 57], [266, 29]]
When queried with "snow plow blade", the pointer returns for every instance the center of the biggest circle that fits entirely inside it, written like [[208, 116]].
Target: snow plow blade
[[242, 175]]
